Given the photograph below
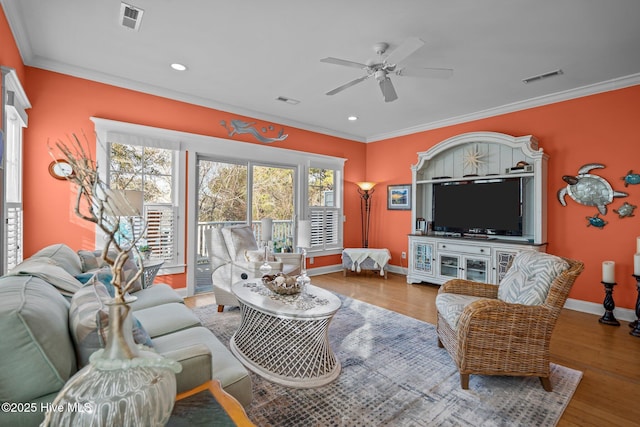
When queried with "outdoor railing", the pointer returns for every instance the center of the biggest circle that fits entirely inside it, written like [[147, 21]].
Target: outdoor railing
[[282, 233]]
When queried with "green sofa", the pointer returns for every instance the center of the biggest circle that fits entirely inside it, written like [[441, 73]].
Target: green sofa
[[41, 348]]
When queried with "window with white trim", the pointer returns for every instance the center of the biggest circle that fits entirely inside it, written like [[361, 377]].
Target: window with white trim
[[15, 120], [325, 212], [155, 166]]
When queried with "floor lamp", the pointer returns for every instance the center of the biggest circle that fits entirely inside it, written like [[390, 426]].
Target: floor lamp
[[366, 191]]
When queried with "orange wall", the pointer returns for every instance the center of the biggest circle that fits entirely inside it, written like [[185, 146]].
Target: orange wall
[[63, 104], [600, 128]]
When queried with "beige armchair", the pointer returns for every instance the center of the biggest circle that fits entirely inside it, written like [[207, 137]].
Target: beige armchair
[[233, 251], [506, 329]]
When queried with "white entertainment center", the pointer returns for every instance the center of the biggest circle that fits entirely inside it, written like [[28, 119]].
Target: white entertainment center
[[477, 157]]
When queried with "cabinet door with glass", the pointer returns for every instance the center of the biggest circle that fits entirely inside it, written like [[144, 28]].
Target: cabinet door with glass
[[476, 269], [422, 258], [449, 265]]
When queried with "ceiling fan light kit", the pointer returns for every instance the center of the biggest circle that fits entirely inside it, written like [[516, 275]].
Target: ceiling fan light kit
[[380, 70]]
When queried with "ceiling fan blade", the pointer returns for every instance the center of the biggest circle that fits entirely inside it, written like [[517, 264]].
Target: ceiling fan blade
[[403, 51], [388, 91], [347, 85], [435, 73], [344, 62]]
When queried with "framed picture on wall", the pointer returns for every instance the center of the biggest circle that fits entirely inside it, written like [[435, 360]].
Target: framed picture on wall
[[399, 197]]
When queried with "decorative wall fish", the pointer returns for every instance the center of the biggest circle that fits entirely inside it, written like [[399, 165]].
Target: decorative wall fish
[[240, 127]]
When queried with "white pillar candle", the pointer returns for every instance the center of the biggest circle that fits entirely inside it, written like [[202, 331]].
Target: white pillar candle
[[636, 264], [609, 272], [304, 234], [267, 225]]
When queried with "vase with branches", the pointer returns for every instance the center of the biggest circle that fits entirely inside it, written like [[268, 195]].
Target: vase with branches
[[144, 380]]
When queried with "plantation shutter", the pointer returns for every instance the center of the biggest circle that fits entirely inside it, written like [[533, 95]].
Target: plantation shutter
[[161, 231], [325, 233], [14, 234]]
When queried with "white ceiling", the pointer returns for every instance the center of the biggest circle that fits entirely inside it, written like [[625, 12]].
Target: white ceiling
[[242, 55]]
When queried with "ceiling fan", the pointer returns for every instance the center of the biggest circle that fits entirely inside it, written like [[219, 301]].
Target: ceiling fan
[[389, 65]]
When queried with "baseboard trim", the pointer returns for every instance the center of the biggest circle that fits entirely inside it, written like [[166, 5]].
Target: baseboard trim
[[625, 314]]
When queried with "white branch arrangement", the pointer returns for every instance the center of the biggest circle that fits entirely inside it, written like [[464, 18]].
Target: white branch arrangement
[[97, 203]]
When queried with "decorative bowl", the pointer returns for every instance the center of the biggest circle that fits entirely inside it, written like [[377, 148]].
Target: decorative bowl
[[281, 283]]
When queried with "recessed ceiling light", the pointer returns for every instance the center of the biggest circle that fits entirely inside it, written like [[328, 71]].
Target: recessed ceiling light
[[178, 67], [352, 118]]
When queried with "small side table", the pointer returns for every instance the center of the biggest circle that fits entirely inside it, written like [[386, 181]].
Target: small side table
[[208, 405], [150, 269]]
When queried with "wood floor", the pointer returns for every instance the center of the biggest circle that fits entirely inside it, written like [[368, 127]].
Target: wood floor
[[609, 392]]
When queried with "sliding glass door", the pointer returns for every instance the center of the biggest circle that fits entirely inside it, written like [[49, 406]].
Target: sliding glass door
[[242, 192]]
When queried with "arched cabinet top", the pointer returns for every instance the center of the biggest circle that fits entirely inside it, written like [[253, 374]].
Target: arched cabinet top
[[477, 153]]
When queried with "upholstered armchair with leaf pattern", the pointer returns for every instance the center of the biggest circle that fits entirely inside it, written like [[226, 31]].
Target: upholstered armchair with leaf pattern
[[233, 251], [506, 329]]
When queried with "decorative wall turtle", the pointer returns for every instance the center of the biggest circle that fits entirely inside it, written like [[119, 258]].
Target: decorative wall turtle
[[631, 178], [596, 221], [625, 210], [589, 190]]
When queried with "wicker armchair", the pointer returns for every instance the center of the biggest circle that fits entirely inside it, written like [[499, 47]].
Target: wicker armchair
[[493, 337]]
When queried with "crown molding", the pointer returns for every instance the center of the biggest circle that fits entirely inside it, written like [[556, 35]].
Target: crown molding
[[606, 86]]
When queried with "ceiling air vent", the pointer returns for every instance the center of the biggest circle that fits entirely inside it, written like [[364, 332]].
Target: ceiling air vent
[[287, 100], [130, 16], [542, 76]]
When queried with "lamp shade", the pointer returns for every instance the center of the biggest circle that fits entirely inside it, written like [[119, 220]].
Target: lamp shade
[[267, 232], [123, 203], [365, 186], [304, 234]]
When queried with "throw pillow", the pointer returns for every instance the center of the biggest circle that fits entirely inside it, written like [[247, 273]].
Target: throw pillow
[[529, 278], [90, 260], [258, 256], [89, 320], [239, 238]]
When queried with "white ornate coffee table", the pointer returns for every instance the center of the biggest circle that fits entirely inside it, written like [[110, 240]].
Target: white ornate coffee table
[[284, 338]]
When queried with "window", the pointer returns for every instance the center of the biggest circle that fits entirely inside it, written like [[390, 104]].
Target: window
[[153, 165], [150, 170], [324, 212], [15, 119]]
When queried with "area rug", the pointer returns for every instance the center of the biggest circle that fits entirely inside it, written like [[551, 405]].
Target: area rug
[[394, 374]]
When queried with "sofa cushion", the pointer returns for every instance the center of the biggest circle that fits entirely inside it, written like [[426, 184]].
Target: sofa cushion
[[36, 351], [239, 238], [152, 296], [49, 271], [232, 375], [529, 278], [166, 318], [89, 321], [63, 256]]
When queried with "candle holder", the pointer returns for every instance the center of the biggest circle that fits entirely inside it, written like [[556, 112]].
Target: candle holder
[[636, 323], [303, 280], [265, 268], [608, 318]]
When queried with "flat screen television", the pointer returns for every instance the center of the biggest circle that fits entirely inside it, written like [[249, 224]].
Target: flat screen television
[[485, 207]]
